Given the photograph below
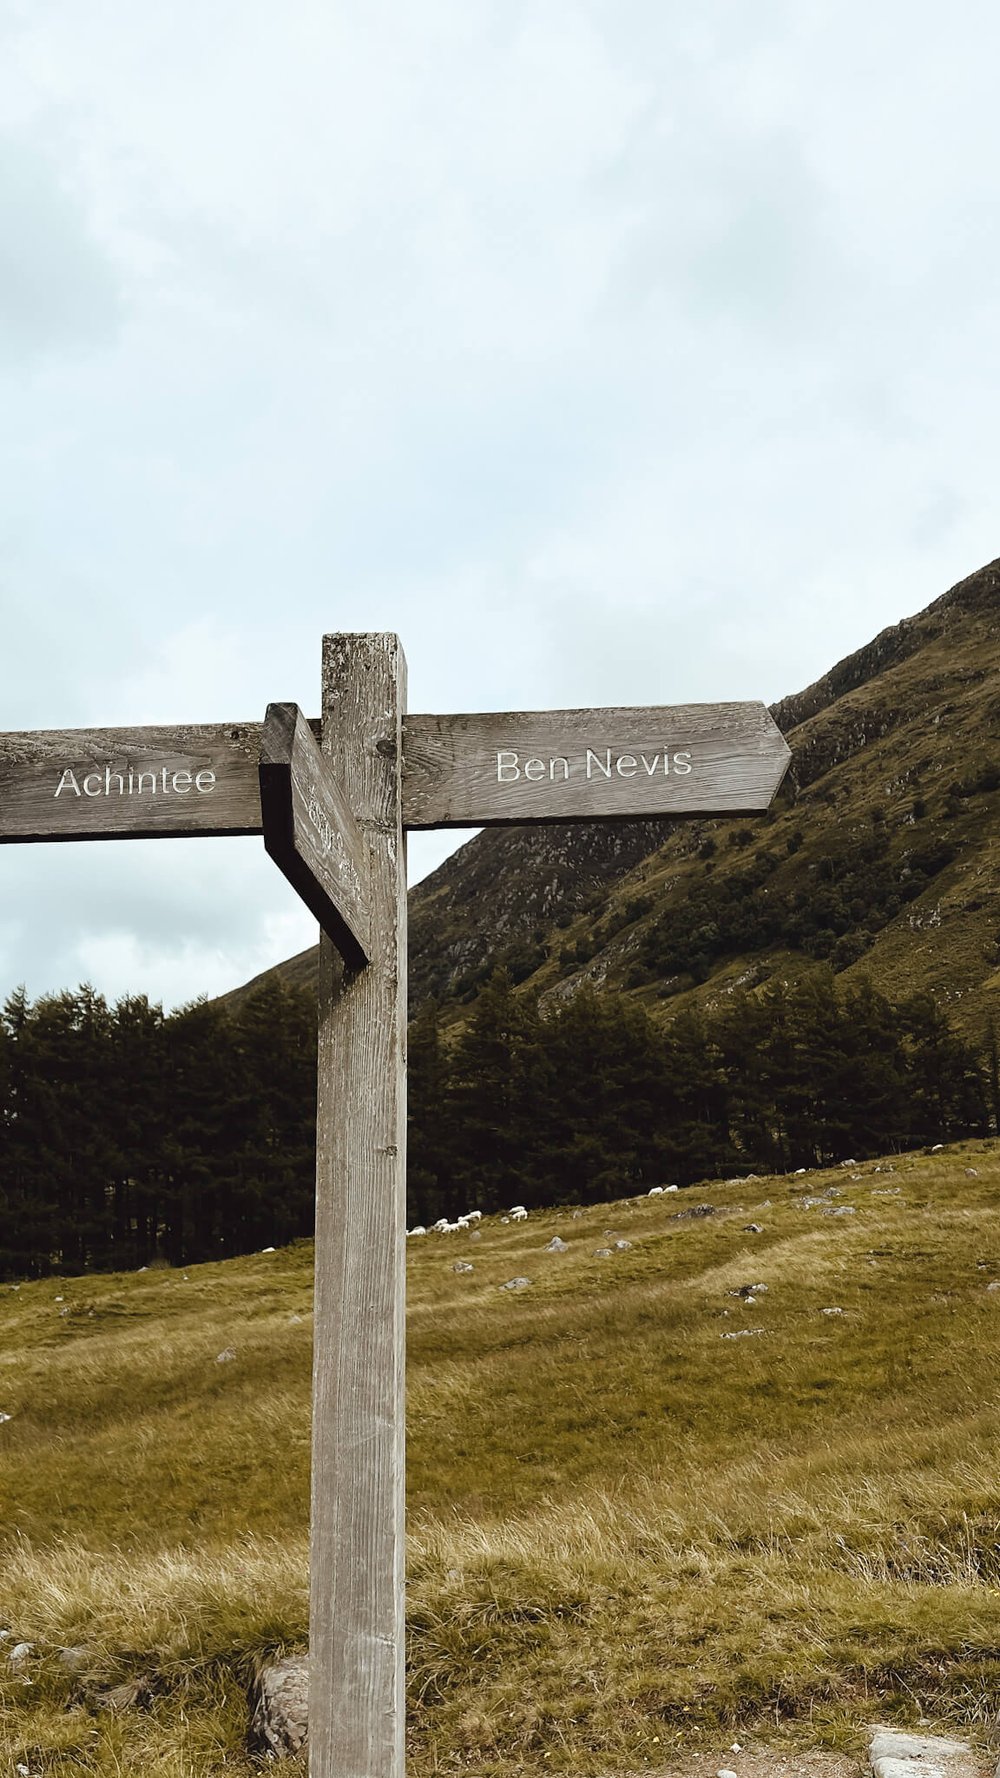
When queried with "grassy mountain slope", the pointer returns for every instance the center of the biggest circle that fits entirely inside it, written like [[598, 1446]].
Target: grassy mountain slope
[[880, 854], [645, 1514]]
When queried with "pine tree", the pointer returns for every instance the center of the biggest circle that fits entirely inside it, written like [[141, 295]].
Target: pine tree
[[431, 1189], [495, 1093], [600, 1123], [947, 1086]]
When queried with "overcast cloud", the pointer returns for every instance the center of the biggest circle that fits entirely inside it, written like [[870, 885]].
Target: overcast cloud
[[611, 351]]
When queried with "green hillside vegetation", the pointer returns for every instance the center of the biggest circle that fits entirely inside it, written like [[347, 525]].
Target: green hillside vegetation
[[581, 1098], [578, 1100], [127, 1136], [880, 856], [646, 1512]]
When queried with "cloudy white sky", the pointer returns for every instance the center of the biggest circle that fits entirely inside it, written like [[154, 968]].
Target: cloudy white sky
[[611, 351]]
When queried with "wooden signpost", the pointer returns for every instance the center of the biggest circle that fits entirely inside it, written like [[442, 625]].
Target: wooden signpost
[[334, 818]]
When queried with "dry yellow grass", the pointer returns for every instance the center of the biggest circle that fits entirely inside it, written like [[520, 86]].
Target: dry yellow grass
[[629, 1534]]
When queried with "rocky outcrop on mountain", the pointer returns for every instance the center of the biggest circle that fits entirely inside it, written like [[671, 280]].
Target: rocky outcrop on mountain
[[521, 881]]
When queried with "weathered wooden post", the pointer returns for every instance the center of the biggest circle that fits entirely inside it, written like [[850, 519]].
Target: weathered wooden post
[[334, 820], [356, 1697]]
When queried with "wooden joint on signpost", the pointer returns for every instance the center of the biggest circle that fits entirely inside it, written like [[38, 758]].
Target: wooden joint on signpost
[[311, 834]]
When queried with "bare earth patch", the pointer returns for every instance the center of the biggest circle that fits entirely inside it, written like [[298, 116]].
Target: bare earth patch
[[759, 1762]]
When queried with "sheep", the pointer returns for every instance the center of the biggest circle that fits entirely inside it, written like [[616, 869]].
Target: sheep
[[519, 1213], [419, 1230]]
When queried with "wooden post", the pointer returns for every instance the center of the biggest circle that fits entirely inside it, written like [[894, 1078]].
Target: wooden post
[[356, 1697]]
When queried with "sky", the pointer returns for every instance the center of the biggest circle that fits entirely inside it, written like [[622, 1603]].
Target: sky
[[610, 351]]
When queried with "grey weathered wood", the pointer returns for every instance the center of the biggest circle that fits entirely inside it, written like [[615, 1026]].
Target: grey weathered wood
[[736, 754], [356, 1700], [574, 765], [310, 831], [141, 783]]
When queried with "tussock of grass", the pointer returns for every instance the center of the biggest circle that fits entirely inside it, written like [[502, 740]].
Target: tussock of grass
[[626, 1532], [182, 1608]]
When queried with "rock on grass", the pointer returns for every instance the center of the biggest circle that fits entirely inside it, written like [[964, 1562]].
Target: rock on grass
[[279, 1702]]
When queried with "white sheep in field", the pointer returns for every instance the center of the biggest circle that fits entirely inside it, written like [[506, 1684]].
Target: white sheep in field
[[655, 1191], [419, 1230], [472, 1216], [519, 1213]]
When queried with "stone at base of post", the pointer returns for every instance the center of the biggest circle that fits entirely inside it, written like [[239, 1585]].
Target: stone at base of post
[[279, 1707], [356, 1695]]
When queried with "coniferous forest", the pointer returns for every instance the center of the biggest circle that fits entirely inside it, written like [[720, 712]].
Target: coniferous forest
[[128, 1137]]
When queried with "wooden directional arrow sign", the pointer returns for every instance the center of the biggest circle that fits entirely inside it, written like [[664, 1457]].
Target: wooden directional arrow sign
[[108, 784], [310, 832], [574, 765]]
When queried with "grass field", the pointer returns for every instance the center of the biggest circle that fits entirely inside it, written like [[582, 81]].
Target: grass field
[[630, 1533]]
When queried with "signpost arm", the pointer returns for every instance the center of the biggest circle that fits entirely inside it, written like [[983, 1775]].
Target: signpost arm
[[356, 1703]]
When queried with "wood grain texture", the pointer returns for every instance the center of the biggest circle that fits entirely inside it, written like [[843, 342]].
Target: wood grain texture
[[458, 771], [310, 832], [577, 765], [142, 783], [356, 1700]]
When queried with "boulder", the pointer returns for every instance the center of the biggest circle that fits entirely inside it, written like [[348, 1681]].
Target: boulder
[[279, 1706], [893, 1754]]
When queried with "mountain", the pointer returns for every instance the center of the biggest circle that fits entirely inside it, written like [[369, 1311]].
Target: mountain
[[879, 855]]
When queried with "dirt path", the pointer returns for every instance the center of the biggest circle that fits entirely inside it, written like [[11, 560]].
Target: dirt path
[[759, 1762], [894, 1754]]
